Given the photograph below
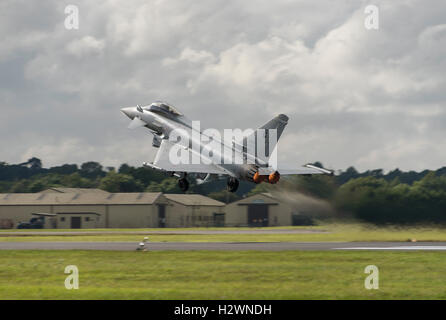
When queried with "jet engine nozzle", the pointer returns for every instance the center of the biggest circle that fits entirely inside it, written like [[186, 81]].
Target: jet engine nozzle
[[274, 177], [257, 178]]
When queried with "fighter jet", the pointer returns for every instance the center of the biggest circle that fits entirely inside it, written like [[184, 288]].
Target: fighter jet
[[186, 150]]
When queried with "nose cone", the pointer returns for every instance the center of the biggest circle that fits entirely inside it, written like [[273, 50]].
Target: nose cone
[[129, 112]]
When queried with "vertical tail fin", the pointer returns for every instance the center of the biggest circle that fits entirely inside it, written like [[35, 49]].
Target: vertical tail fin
[[277, 123], [267, 136]]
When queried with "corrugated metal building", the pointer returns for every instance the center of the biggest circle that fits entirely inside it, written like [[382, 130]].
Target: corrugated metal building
[[66, 208], [85, 209], [259, 210], [194, 210], [72, 190], [94, 208]]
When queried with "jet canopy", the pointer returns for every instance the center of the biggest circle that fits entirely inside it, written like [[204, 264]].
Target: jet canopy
[[163, 107]]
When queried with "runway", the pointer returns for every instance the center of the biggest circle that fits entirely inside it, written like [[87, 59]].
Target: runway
[[153, 232], [221, 246]]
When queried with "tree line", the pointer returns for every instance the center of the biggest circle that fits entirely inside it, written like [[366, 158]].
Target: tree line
[[372, 196]]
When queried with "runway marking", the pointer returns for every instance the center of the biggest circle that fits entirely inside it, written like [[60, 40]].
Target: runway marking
[[395, 248], [240, 246]]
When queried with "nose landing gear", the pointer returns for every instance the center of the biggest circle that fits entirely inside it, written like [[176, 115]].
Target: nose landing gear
[[183, 184], [232, 184]]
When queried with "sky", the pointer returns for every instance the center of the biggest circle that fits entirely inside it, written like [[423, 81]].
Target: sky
[[368, 98]]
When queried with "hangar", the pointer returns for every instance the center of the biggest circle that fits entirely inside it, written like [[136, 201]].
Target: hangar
[[259, 210], [73, 190], [74, 208], [82, 209], [194, 210]]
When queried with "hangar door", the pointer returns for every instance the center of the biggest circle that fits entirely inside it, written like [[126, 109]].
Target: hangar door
[[161, 216], [75, 222], [258, 215]]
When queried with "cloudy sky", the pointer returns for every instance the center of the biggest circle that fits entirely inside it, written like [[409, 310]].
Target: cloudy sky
[[367, 98]]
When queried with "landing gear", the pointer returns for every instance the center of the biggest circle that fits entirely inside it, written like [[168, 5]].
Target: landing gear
[[232, 184], [183, 184]]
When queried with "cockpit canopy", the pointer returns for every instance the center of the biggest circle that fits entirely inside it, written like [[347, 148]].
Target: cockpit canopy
[[164, 107]]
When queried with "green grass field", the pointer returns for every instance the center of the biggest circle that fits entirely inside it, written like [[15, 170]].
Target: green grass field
[[229, 275], [222, 275], [318, 227], [335, 232]]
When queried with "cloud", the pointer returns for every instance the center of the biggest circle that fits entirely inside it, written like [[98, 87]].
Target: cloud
[[191, 56], [85, 46], [372, 99]]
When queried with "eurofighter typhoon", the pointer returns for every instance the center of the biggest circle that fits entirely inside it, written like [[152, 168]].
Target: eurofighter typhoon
[[186, 150]]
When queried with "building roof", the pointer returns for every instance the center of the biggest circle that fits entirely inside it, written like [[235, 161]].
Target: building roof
[[72, 190], [193, 200], [133, 198], [267, 198], [93, 198]]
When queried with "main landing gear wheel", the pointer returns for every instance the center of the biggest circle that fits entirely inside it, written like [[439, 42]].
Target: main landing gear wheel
[[232, 184], [183, 184]]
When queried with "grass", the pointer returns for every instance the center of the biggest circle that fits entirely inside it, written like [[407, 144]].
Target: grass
[[221, 275], [336, 232], [164, 229]]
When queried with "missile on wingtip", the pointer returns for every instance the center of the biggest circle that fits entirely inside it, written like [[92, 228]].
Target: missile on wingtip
[[326, 171]]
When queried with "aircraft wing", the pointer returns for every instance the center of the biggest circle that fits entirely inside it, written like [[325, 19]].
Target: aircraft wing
[[162, 162], [304, 170]]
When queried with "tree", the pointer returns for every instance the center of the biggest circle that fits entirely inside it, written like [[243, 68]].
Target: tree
[[37, 186], [320, 186], [5, 186], [117, 182], [168, 185], [35, 163], [64, 169], [347, 175], [20, 186], [362, 197], [145, 175], [125, 168], [260, 188], [91, 169], [76, 181]]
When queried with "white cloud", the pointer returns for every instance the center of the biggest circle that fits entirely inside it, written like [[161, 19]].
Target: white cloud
[[192, 56], [354, 97], [86, 46]]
